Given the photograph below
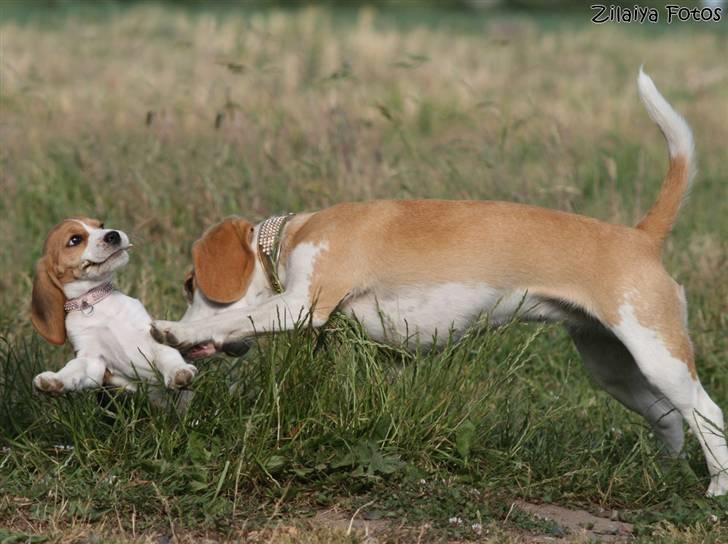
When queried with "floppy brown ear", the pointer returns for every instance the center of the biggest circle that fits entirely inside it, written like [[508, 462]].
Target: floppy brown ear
[[224, 261], [46, 309]]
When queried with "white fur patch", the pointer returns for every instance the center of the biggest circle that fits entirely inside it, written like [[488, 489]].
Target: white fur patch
[[84, 225], [428, 313], [646, 345], [301, 262], [676, 130]]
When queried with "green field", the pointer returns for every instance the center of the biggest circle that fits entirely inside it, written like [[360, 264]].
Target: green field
[[161, 121]]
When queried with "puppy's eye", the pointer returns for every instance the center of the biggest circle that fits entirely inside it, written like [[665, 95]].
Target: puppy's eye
[[74, 240], [101, 226]]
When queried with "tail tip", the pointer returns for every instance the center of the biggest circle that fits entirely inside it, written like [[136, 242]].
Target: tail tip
[[644, 82], [673, 125]]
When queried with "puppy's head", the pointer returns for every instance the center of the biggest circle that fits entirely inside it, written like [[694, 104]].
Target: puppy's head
[[78, 249], [223, 261]]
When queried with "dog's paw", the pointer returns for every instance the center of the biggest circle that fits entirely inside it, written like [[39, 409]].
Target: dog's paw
[[181, 336], [182, 377], [164, 333], [47, 383]]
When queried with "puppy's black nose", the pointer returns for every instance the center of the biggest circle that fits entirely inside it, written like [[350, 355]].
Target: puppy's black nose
[[112, 238]]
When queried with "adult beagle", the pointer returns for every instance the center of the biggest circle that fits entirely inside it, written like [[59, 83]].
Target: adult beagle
[[73, 296], [413, 270]]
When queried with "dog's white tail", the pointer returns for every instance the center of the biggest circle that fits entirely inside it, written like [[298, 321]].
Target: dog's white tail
[[658, 221]]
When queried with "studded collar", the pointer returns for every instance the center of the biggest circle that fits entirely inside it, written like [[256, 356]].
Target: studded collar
[[85, 303], [269, 248]]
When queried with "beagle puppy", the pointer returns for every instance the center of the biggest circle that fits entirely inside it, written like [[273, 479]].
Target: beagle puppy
[[73, 297], [412, 271]]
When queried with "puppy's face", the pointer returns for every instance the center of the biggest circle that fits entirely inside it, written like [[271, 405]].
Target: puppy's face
[[82, 249], [77, 249]]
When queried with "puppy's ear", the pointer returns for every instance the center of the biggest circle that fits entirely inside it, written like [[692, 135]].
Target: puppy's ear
[[46, 310], [224, 260]]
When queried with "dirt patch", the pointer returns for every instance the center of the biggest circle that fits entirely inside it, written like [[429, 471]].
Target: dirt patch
[[569, 525], [370, 531], [579, 523]]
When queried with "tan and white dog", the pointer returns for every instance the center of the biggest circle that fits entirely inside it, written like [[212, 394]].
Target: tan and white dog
[[413, 270], [73, 296]]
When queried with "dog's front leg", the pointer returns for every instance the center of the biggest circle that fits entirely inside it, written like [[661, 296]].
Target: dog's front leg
[[79, 373], [277, 314]]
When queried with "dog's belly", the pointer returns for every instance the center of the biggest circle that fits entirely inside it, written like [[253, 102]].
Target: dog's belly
[[430, 314], [124, 347]]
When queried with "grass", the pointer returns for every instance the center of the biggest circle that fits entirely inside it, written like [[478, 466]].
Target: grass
[[161, 121]]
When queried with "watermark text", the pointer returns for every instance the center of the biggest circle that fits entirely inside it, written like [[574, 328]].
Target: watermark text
[[670, 13]]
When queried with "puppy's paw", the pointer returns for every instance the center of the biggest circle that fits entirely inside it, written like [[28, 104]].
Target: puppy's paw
[[182, 377], [47, 383]]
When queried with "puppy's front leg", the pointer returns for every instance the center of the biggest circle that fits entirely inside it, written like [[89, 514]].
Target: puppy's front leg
[[79, 373], [177, 373]]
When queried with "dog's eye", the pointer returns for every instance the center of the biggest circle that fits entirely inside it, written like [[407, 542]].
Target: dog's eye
[[75, 240], [101, 226], [189, 287]]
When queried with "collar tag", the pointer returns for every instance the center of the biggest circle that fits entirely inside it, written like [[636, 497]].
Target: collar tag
[[269, 248]]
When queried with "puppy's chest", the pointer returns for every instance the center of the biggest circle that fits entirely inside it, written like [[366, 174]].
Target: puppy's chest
[[117, 330]]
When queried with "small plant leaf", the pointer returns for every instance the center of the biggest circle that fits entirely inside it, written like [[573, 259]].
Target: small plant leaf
[[464, 439]]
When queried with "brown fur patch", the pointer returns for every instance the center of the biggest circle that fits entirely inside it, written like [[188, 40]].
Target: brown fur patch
[[553, 254], [46, 310], [659, 219], [224, 260]]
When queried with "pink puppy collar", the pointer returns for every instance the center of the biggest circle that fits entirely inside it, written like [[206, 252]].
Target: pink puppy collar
[[86, 302]]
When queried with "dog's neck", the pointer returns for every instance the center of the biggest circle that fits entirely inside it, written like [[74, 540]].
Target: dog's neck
[[79, 288]]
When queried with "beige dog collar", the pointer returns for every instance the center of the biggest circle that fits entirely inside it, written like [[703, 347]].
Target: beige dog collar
[[269, 248]]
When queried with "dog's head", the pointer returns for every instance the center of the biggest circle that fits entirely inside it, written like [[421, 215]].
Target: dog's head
[[223, 261], [78, 249], [223, 267]]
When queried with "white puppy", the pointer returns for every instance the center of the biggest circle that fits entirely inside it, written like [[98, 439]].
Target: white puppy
[[73, 296]]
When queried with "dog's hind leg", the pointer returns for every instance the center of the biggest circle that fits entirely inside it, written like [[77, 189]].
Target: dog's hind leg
[[613, 368], [651, 325]]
